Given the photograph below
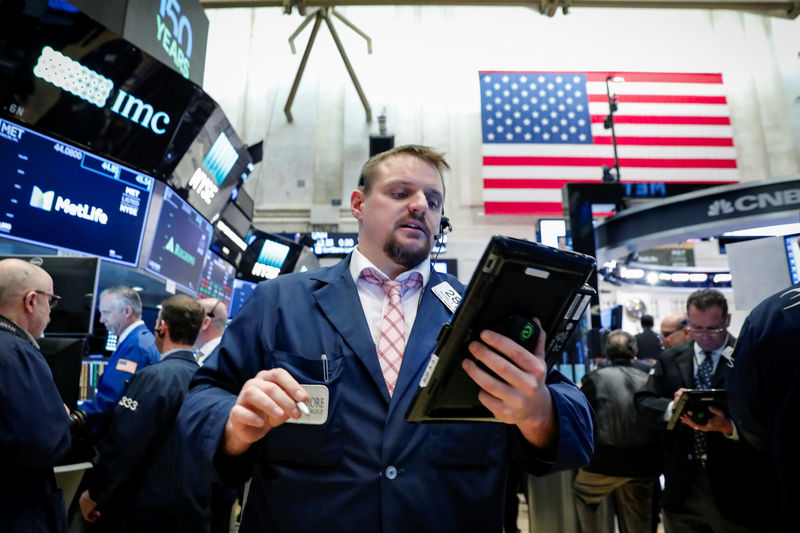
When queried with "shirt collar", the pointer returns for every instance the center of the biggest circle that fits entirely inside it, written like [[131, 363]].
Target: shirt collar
[[359, 262], [128, 330]]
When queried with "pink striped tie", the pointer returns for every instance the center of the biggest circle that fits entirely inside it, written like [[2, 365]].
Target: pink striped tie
[[392, 341]]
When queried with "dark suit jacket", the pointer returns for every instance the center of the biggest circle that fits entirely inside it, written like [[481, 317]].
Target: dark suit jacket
[[366, 468], [649, 345], [735, 469]]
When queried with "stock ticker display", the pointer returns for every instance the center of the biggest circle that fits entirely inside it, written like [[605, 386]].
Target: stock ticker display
[[56, 194]]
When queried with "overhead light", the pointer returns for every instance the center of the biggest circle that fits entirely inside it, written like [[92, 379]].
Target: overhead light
[[698, 277], [652, 278], [631, 273], [766, 231], [680, 277], [722, 278], [138, 289]]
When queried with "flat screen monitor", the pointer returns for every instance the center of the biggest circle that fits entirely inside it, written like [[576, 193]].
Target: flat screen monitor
[[267, 256], [64, 356], [180, 242], [611, 317], [792, 243], [75, 280], [241, 293], [55, 194], [236, 220], [216, 281], [446, 266]]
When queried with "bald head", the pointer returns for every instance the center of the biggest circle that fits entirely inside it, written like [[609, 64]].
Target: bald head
[[674, 330], [214, 322], [25, 292]]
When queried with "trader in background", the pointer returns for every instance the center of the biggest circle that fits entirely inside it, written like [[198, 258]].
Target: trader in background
[[648, 341], [358, 336], [715, 481], [627, 459], [145, 477], [34, 424], [121, 313], [212, 329], [764, 393], [674, 330]]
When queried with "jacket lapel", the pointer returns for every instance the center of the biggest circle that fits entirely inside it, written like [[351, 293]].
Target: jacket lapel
[[338, 300], [686, 365]]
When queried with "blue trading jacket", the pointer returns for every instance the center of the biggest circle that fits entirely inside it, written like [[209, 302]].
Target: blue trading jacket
[[365, 468]]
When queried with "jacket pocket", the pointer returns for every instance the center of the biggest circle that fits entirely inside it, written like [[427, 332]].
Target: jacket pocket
[[304, 444]]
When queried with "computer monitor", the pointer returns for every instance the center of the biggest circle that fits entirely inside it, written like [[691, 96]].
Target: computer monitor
[[241, 293], [75, 280], [64, 357], [216, 280], [56, 194], [792, 243], [180, 242]]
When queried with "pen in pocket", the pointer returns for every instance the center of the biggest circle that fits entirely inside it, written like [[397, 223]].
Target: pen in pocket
[[324, 367]]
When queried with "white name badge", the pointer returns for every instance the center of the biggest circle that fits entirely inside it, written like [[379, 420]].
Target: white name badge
[[317, 406], [448, 295]]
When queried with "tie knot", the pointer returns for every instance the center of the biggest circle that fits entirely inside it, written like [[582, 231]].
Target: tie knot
[[393, 288]]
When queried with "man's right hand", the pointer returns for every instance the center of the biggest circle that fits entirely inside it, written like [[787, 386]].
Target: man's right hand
[[265, 401]]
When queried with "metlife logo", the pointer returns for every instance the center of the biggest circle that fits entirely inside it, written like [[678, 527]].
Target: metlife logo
[[44, 200]]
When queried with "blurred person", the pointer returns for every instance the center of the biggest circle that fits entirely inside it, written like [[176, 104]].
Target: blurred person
[[714, 480], [353, 340], [146, 479], [626, 461], [212, 329], [34, 423], [121, 313], [648, 341], [764, 392], [674, 330]]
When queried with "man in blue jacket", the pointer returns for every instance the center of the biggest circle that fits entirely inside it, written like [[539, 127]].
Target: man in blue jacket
[[121, 313], [145, 478], [352, 342], [34, 425]]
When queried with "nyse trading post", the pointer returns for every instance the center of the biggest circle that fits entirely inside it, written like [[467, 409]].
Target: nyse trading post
[[59, 195]]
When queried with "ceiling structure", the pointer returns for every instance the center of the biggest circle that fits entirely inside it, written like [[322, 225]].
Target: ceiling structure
[[779, 8]]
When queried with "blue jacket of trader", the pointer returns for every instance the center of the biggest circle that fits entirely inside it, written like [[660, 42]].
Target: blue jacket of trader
[[136, 351], [365, 468], [145, 477], [34, 436]]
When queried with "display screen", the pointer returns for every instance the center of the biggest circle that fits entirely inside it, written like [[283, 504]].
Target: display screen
[[68, 75], [55, 194], [217, 278], [241, 292], [180, 243], [233, 217], [792, 243], [267, 256], [446, 266], [75, 280]]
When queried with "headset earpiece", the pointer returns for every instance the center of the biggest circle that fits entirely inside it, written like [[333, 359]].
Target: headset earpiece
[[445, 226]]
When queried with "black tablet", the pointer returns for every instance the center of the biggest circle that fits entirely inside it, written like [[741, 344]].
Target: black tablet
[[515, 281], [697, 402]]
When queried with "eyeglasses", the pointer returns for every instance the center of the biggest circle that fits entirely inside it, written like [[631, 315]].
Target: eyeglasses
[[667, 334], [706, 331], [53, 298]]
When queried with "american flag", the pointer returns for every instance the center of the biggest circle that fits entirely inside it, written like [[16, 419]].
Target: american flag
[[544, 129]]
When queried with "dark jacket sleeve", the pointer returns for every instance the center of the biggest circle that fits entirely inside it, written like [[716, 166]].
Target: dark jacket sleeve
[[34, 425], [575, 420], [652, 401]]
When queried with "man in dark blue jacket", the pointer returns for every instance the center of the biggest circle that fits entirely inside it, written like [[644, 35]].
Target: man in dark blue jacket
[[34, 425], [764, 393], [353, 341], [121, 313], [145, 477]]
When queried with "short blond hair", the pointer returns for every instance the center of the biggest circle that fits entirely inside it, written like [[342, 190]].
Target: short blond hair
[[370, 169]]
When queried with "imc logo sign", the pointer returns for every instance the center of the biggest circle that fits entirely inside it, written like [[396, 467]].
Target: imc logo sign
[[44, 201], [72, 77]]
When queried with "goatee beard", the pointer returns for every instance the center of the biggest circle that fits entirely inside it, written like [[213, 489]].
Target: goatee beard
[[406, 256]]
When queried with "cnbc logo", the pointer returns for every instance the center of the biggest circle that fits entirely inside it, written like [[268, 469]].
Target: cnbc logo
[[44, 201], [175, 249]]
